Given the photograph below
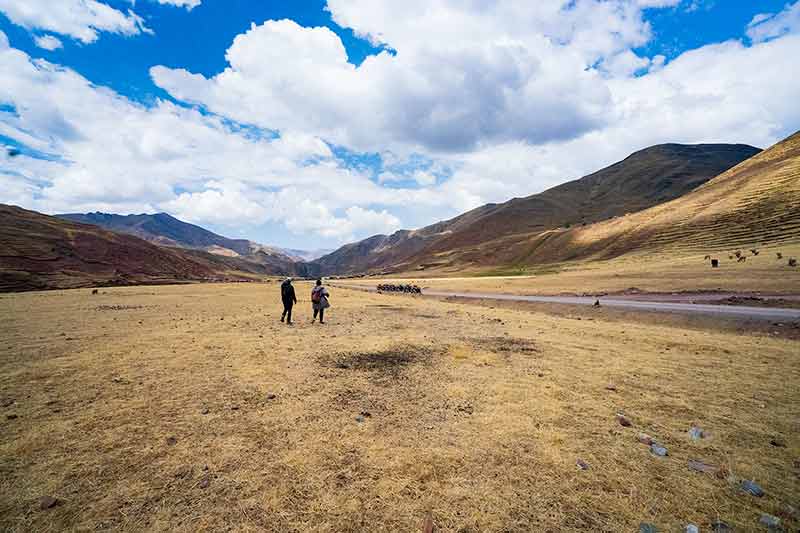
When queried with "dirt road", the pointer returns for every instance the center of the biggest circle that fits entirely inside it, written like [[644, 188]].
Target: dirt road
[[629, 302]]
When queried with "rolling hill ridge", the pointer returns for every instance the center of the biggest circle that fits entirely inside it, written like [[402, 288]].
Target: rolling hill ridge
[[44, 252], [646, 178]]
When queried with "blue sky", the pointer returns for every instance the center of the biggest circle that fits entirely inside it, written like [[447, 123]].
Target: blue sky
[[312, 153]]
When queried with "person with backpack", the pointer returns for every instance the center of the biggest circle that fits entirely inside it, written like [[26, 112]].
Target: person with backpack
[[289, 299], [319, 301]]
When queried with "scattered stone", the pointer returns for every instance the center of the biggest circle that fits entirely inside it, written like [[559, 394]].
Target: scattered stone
[[721, 527], [205, 411], [360, 419], [623, 420], [647, 528], [778, 442], [583, 465], [691, 528], [271, 396], [204, 482], [772, 522], [612, 388], [751, 487], [658, 450], [47, 502], [183, 472], [644, 438], [597, 303], [700, 466], [366, 414], [234, 407], [428, 525], [695, 433], [172, 441], [95, 291]]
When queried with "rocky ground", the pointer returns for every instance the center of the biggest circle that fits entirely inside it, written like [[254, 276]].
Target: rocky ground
[[186, 408]]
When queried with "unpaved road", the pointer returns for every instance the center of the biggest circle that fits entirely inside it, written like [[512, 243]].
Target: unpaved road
[[758, 313]]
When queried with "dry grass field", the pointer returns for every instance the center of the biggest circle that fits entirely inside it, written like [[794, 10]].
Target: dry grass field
[[648, 272], [192, 408]]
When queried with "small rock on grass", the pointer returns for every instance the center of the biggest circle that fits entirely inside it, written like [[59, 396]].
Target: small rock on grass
[[204, 482], [778, 442], [647, 528], [271, 396], [691, 528], [700, 466], [47, 502], [658, 450], [644, 438], [172, 441], [772, 522], [360, 419], [751, 487], [623, 420], [695, 433], [721, 527], [583, 465]]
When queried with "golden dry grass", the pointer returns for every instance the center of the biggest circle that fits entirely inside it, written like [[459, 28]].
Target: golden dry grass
[[477, 415], [648, 272]]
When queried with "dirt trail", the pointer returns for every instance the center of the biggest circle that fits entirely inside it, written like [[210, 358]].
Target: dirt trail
[[750, 312]]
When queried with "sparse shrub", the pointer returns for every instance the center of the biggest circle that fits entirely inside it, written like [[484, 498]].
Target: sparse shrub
[[742, 259], [792, 262], [754, 251], [780, 255], [738, 253], [730, 257], [706, 258]]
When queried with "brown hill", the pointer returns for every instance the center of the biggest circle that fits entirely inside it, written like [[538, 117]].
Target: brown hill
[[42, 252], [754, 204], [166, 230], [644, 179]]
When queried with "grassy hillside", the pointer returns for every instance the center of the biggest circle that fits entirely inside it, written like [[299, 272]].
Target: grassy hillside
[[752, 205], [644, 179]]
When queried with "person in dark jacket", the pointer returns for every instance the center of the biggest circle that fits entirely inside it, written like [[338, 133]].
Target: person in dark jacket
[[289, 299]]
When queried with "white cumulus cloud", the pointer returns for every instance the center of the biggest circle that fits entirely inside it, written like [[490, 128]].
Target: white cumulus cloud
[[478, 102], [770, 25], [188, 4], [48, 42], [79, 19]]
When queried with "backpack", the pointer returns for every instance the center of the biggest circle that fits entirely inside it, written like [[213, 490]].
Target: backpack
[[316, 295]]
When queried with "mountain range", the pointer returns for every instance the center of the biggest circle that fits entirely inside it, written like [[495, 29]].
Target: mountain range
[[644, 179], [666, 197]]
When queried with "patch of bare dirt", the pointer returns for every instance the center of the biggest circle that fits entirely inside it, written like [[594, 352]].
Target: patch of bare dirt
[[390, 361]]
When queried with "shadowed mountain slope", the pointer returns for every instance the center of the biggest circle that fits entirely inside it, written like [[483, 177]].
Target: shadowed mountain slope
[[644, 179], [166, 230], [42, 252], [163, 229]]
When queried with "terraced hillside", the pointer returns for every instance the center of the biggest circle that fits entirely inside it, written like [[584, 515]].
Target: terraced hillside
[[645, 178], [756, 203]]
